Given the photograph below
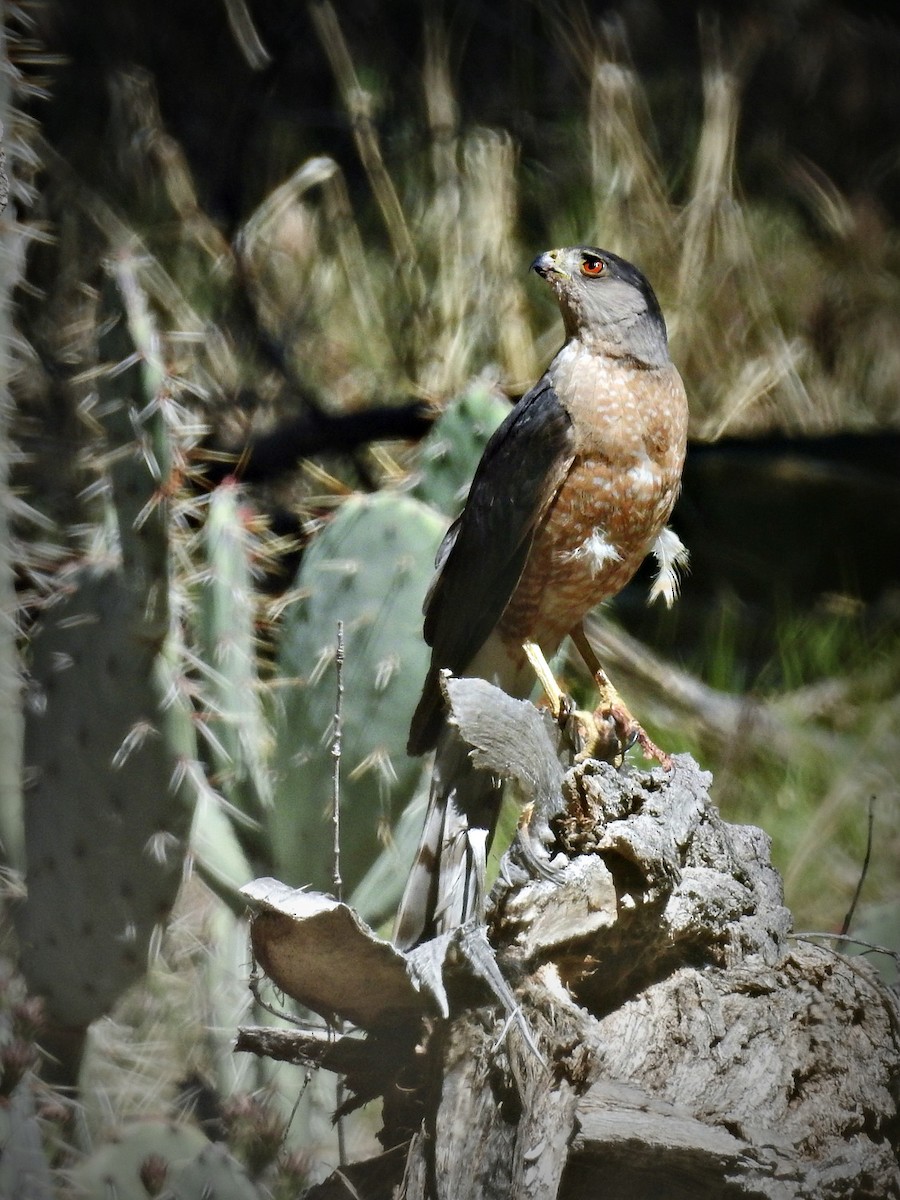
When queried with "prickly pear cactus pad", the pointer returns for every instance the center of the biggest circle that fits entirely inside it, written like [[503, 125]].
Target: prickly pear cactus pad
[[370, 568], [230, 689], [110, 751], [450, 453], [24, 1169], [155, 1157], [108, 748]]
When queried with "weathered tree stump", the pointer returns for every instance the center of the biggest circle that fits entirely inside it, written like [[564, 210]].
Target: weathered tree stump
[[638, 1023]]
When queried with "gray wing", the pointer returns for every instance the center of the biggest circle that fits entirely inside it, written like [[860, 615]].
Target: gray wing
[[484, 553]]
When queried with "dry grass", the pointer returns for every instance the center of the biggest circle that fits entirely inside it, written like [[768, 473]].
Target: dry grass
[[780, 317]]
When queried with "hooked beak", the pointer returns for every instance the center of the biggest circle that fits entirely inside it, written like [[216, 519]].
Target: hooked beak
[[547, 266]]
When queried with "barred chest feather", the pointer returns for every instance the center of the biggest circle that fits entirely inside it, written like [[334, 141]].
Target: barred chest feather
[[630, 430]]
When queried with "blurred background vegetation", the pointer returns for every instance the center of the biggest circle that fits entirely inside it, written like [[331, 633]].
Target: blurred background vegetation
[[331, 211]]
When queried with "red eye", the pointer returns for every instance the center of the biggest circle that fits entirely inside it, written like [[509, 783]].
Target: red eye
[[592, 266]]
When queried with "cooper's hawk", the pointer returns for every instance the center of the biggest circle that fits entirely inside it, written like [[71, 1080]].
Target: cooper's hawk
[[572, 492]]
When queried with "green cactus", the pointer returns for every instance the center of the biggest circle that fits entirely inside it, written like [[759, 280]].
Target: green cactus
[[447, 460], [24, 1166], [450, 453], [136, 411], [369, 568], [217, 850], [108, 802], [109, 742], [377, 895], [149, 1158], [212, 1173], [12, 257], [24, 1170], [239, 735]]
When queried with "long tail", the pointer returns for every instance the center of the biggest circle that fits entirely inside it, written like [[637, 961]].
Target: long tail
[[446, 883]]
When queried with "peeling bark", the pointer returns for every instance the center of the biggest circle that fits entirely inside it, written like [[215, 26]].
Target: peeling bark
[[671, 1037]]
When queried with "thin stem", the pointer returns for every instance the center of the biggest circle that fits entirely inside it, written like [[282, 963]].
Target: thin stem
[[845, 928], [337, 882]]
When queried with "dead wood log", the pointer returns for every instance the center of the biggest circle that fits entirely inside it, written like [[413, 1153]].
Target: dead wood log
[[671, 1038]]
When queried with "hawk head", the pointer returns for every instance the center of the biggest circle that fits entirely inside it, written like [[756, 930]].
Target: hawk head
[[606, 303]]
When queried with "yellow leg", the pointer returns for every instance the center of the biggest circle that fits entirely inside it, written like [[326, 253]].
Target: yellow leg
[[612, 707], [581, 727], [545, 676]]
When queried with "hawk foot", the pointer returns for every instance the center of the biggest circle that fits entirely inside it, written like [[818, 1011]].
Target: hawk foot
[[587, 737], [625, 732], [608, 732], [613, 715]]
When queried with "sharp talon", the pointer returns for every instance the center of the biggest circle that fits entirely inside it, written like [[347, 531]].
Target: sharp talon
[[579, 727], [566, 710], [627, 732], [534, 854], [598, 737], [610, 731]]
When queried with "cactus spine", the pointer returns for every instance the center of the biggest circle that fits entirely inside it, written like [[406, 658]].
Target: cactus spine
[[12, 247], [369, 567], [239, 736], [160, 1158], [450, 453], [110, 746]]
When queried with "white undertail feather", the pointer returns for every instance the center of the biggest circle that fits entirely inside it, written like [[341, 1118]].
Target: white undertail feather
[[597, 550], [672, 555], [446, 884]]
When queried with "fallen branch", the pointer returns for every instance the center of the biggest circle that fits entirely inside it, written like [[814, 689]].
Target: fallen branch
[[670, 696], [278, 452]]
